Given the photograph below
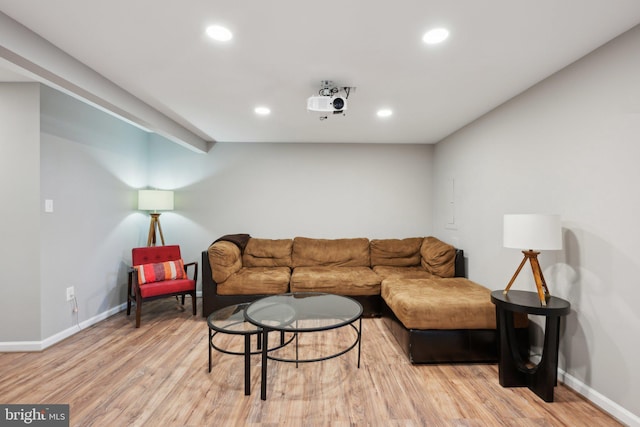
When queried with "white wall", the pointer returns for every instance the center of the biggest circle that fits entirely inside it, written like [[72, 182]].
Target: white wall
[[91, 164], [288, 190], [569, 145], [20, 221]]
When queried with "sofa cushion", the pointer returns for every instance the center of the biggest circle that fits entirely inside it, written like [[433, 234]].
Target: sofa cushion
[[256, 281], [438, 258], [225, 260], [267, 253], [455, 303], [330, 252], [387, 272], [336, 280], [396, 252]]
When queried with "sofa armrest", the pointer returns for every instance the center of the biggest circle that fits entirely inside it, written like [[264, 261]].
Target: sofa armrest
[[209, 286], [460, 267], [225, 259]]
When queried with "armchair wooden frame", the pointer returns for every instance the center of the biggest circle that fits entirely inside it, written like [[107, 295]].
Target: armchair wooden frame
[[134, 294]]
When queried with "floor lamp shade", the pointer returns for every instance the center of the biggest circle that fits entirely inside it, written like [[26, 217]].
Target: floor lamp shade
[[532, 233], [155, 200]]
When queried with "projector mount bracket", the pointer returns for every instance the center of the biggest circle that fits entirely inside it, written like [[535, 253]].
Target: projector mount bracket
[[327, 88]]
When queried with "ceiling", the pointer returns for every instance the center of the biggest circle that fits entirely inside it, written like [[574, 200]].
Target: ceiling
[[282, 49]]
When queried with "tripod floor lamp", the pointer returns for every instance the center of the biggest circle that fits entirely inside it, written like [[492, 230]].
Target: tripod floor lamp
[[155, 200], [532, 233]]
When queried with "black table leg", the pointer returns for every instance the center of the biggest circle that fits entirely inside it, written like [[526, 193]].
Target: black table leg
[[546, 375], [508, 369], [265, 346], [247, 365], [209, 344], [359, 340]]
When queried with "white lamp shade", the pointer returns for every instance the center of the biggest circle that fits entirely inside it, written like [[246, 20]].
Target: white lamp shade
[[532, 231], [155, 200]]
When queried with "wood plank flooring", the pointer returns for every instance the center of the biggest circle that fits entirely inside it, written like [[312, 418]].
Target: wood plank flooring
[[112, 374]]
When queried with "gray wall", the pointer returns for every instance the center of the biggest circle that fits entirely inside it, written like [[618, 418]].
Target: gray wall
[[91, 164], [20, 220], [87, 162], [288, 190], [569, 145]]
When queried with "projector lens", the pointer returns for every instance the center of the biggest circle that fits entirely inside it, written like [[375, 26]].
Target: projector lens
[[338, 103]]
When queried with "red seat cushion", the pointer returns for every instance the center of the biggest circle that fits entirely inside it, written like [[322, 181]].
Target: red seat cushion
[[167, 287]]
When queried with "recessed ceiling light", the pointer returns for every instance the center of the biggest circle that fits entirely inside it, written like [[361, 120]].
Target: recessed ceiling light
[[262, 111], [435, 36], [385, 112], [219, 33]]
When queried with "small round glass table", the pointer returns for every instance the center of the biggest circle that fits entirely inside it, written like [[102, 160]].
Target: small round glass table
[[230, 320], [301, 313]]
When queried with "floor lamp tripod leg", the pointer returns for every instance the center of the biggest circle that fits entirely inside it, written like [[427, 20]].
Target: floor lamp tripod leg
[[160, 230], [150, 239]]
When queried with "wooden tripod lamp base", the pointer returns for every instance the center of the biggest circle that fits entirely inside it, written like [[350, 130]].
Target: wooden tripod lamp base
[[541, 285], [155, 223]]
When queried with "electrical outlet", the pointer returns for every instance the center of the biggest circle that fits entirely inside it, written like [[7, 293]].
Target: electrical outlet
[[71, 293]]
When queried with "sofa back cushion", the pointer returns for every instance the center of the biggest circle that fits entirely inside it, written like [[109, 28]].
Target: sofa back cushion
[[267, 253], [225, 259], [396, 252], [438, 257], [330, 252]]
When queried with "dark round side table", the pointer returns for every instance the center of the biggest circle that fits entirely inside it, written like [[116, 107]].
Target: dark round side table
[[514, 370]]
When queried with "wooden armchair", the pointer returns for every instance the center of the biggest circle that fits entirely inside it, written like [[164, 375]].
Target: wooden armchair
[[159, 272]]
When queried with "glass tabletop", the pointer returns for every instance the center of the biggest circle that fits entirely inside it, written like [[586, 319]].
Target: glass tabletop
[[299, 312], [231, 320]]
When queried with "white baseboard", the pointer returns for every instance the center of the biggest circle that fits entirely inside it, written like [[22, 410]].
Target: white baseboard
[[20, 346], [25, 346], [28, 346], [48, 342], [603, 402]]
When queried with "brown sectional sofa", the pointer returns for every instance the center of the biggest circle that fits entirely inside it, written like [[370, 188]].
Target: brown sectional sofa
[[417, 284]]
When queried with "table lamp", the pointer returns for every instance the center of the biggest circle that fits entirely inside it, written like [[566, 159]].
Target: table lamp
[[155, 200], [532, 233]]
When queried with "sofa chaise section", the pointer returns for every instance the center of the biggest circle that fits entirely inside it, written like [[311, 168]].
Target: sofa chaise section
[[444, 320]]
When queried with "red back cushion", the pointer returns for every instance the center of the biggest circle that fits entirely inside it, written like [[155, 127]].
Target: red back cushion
[[155, 254]]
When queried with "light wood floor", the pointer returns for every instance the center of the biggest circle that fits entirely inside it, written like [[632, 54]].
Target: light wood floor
[[115, 375]]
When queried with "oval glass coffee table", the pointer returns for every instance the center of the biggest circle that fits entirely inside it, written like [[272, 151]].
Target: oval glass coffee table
[[302, 313]]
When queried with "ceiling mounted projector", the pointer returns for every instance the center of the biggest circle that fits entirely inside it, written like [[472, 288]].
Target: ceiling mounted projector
[[326, 104], [330, 99]]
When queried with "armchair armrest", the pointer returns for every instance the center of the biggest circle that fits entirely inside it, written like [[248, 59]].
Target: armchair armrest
[[195, 272], [132, 282]]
